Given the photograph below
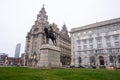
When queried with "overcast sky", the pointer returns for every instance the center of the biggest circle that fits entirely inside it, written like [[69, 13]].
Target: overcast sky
[[18, 16]]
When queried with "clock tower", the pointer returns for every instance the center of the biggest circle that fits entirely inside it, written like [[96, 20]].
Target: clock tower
[[42, 18]]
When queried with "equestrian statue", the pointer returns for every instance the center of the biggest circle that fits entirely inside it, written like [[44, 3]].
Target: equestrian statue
[[50, 34]]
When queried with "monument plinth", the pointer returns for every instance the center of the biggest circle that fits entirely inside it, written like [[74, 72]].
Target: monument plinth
[[49, 56]]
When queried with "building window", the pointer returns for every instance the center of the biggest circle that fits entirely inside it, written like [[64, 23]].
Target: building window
[[99, 51], [80, 60], [117, 50], [99, 45], [108, 38], [111, 58], [99, 40], [116, 43], [79, 52], [118, 58], [91, 52], [78, 42], [92, 60], [107, 33], [79, 47], [90, 35], [84, 41], [98, 34], [109, 50], [91, 41], [85, 52], [91, 46], [85, 46], [108, 44], [116, 37]]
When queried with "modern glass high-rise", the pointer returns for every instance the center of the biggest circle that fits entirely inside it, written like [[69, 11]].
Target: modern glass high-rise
[[17, 50]]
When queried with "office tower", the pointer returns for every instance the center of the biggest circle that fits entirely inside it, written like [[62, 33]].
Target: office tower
[[17, 50]]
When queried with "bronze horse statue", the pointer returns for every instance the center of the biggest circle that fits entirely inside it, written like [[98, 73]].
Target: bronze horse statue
[[50, 34]]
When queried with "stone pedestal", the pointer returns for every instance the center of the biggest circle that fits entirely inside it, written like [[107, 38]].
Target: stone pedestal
[[49, 57]]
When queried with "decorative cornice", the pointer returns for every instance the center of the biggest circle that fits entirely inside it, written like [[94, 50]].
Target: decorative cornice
[[98, 24]]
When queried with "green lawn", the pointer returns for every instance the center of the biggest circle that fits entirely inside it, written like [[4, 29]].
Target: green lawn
[[24, 73]]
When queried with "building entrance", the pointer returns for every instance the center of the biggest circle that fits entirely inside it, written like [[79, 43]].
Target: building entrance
[[101, 59]]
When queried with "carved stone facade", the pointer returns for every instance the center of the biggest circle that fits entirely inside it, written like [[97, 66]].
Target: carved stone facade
[[35, 38], [96, 45]]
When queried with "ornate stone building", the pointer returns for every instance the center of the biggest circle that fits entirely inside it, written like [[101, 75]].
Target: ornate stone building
[[96, 45], [35, 38]]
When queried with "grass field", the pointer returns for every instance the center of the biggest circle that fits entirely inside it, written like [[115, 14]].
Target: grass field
[[24, 73]]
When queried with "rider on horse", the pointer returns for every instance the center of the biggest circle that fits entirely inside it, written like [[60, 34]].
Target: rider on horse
[[49, 34]]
